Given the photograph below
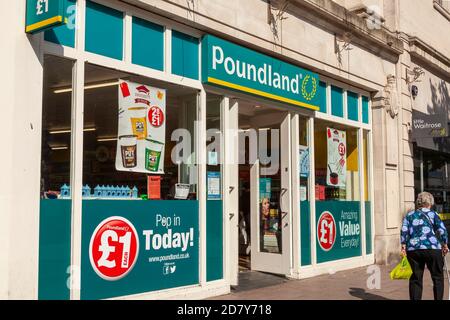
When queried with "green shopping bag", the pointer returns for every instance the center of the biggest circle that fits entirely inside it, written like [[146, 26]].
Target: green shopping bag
[[402, 270]]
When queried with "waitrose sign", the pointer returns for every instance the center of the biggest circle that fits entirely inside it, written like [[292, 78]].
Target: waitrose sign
[[228, 65]]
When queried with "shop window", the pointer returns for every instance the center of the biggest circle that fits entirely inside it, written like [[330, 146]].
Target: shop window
[[365, 110], [367, 194], [337, 192], [55, 203], [185, 55], [214, 179], [305, 213], [104, 30], [337, 101], [140, 169], [352, 106], [148, 44], [336, 163], [104, 165], [65, 34], [435, 178]]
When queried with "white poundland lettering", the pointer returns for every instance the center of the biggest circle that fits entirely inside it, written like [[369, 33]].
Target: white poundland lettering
[[262, 74], [169, 240], [348, 228], [203, 311]]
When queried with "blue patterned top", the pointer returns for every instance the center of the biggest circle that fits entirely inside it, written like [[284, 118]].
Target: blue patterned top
[[419, 230]]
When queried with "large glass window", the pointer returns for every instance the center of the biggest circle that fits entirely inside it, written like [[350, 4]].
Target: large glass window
[[150, 164], [431, 172], [56, 127], [55, 204], [337, 192], [336, 162]]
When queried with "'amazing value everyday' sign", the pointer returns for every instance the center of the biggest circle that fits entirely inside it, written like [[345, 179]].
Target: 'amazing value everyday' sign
[[228, 65]]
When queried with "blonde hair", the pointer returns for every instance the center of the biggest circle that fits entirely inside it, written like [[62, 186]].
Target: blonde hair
[[424, 199]]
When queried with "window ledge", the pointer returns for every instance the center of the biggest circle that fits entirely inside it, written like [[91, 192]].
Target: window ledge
[[441, 9]]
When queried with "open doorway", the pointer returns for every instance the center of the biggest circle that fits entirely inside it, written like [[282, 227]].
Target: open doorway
[[262, 179]]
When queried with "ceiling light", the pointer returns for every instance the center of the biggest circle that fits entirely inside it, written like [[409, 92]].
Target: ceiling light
[[106, 139], [91, 86], [59, 148], [68, 130]]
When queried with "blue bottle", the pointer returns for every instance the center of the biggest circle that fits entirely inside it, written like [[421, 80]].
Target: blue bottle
[[97, 191], [65, 191], [134, 192]]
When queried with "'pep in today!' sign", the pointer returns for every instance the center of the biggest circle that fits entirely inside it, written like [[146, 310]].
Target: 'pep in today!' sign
[[229, 65]]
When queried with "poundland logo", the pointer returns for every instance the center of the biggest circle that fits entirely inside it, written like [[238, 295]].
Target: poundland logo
[[232, 66]]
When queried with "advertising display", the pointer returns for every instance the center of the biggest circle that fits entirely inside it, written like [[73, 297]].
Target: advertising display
[[338, 230], [336, 158], [228, 65], [214, 185], [45, 14], [303, 161], [142, 128], [131, 247]]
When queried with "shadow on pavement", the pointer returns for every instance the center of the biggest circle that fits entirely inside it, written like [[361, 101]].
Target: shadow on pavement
[[364, 295]]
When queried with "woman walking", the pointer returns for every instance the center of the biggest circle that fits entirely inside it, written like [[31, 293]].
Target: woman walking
[[424, 240]]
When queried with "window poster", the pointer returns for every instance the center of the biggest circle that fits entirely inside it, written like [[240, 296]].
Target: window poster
[[213, 185], [265, 188], [336, 158], [303, 161], [142, 128]]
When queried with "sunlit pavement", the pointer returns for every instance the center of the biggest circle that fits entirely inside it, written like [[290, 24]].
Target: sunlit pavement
[[343, 285]]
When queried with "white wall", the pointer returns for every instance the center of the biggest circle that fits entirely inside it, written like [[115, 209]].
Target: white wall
[[21, 88], [297, 39], [419, 18]]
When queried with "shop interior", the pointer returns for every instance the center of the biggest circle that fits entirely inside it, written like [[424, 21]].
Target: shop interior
[[101, 134], [258, 127], [431, 174]]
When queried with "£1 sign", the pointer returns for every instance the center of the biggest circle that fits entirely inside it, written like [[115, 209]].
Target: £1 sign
[[326, 231], [114, 248]]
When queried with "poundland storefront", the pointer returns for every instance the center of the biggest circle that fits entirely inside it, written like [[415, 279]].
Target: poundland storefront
[[172, 158]]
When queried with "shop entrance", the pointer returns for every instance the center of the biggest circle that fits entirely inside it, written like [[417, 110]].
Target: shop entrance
[[264, 195]]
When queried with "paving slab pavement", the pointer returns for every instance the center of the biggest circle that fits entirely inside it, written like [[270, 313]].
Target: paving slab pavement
[[344, 285]]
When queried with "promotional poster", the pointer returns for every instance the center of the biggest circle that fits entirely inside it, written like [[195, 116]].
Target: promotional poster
[[142, 128]]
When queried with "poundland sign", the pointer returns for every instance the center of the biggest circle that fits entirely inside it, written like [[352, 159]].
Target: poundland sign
[[228, 65], [44, 14]]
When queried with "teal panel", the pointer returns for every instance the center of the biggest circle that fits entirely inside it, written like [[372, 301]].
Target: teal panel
[[154, 256], [214, 240], [365, 110], [148, 44], [352, 106], [305, 233], [347, 236], [65, 34], [368, 228], [42, 15], [235, 67], [337, 102], [54, 249], [322, 92], [185, 55], [104, 30]]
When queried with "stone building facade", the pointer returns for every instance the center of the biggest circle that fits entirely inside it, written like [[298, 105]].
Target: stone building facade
[[379, 48]]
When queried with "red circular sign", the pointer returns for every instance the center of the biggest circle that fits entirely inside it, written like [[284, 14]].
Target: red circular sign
[[155, 116], [341, 149], [326, 230], [114, 248]]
